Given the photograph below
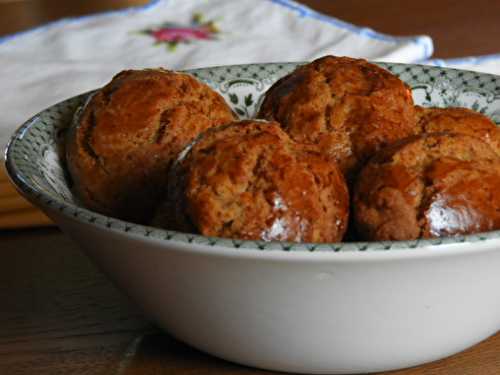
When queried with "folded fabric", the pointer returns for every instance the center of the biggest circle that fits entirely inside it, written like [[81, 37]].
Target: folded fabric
[[48, 64]]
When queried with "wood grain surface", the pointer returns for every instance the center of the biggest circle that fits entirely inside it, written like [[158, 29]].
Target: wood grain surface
[[60, 315], [15, 211]]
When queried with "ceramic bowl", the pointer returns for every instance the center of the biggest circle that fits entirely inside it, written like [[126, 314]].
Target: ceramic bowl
[[304, 308]]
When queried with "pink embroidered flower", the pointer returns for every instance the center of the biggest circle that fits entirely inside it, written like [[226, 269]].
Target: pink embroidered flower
[[172, 34], [181, 34]]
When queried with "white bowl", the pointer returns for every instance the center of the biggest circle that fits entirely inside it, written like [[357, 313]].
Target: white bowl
[[306, 308]]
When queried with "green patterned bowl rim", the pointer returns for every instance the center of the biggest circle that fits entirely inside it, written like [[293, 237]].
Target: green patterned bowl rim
[[435, 86]]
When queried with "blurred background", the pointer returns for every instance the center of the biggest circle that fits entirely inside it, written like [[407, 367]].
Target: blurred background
[[22, 14], [458, 27]]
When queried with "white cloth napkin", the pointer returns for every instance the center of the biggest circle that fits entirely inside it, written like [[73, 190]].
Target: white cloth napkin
[[48, 64]]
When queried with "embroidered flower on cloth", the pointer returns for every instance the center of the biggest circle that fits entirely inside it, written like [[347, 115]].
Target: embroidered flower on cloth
[[171, 34]]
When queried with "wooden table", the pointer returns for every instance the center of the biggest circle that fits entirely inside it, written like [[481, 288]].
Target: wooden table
[[58, 313]]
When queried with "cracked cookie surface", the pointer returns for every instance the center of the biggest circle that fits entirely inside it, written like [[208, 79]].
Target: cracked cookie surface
[[433, 185], [122, 143], [458, 120], [249, 180], [348, 108]]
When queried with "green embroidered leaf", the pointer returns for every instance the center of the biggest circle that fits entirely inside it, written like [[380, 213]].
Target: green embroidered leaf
[[240, 111], [212, 27], [172, 46], [197, 18], [233, 98], [248, 100]]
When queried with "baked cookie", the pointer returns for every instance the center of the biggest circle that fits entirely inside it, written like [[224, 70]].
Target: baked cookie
[[123, 141], [457, 120], [249, 180], [347, 108], [433, 185]]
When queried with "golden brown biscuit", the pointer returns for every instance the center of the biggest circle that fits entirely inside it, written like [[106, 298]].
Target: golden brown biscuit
[[458, 120], [433, 185], [249, 180], [348, 108], [122, 143]]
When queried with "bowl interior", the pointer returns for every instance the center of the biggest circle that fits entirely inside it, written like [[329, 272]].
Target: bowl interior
[[35, 163]]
